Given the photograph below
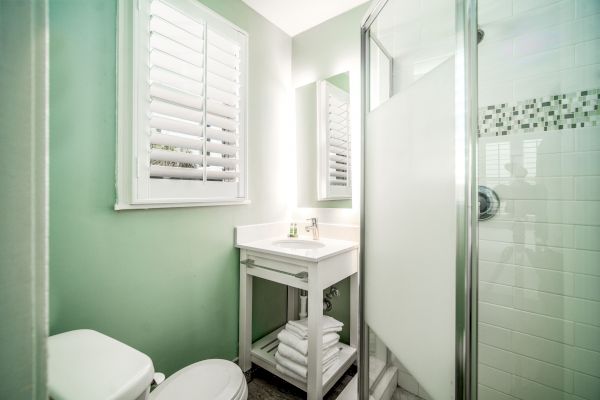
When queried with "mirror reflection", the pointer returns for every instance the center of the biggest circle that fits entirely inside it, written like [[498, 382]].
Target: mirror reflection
[[323, 137]]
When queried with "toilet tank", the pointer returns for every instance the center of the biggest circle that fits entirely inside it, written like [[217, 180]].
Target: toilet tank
[[85, 364]]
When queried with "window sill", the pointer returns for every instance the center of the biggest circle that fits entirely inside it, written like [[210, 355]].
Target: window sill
[[149, 206]]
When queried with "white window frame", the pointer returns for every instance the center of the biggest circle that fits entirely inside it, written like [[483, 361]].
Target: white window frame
[[326, 191], [132, 17]]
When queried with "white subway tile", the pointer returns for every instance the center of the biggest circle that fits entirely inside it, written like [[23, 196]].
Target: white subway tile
[[542, 372], [583, 360], [495, 294], [490, 52], [534, 19], [582, 261], [512, 68], [540, 256], [582, 163], [559, 188], [497, 358], [527, 322], [546, 84], [587, 337], [564, 164], [487, 393], [552, 37], [587, 287], [556, 353], [550, 142], [528, 389], [527, 233], [587, 386], [585, 8], [501, 231], [496, 251], [493, 10], [495, 92], [494, 335], [494, 378], [587, 188], [520, 6], [587, 139], [545, 280], [548, 165], [558, 212], [587, 237], [560, 259], [557, 306], [494, 272], [579, 78], [526, 367], [587, 52]]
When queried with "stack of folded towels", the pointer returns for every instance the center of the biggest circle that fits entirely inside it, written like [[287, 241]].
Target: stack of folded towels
[[292, 353]]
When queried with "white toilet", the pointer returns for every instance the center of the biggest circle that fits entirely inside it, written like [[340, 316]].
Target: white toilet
[[85, 364]]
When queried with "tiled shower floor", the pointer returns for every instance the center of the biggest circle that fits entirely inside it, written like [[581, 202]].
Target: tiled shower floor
[[266, 386]]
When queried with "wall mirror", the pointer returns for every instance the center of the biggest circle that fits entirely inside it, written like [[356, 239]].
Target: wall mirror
[[323, 138]]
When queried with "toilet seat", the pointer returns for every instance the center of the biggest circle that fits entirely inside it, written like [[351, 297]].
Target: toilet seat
[[204, 380]]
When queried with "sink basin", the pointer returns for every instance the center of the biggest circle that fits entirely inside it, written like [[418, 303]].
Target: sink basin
[[299, 244]]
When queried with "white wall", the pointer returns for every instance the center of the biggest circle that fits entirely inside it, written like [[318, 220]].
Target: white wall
[[328, 49], [539, 333]]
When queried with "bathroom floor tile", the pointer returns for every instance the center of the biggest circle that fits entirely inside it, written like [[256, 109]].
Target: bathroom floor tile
[[266, 386]]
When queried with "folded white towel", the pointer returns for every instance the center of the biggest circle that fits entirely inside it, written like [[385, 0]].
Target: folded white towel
[[304, 334], [288, 372], [293, 355], [301, 345], [328, 325], [300, 371]]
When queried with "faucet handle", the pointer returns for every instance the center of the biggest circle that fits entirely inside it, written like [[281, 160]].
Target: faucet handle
[[313, 220]]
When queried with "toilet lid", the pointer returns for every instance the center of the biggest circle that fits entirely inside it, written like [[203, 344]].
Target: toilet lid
[[204, 380]]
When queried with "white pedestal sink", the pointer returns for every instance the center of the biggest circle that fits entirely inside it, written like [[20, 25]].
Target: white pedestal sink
[[311, 265]]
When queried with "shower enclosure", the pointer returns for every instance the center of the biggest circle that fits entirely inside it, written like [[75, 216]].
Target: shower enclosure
[[480, 253]]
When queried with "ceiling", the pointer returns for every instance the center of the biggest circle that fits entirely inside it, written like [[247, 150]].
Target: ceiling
[[295, 16]]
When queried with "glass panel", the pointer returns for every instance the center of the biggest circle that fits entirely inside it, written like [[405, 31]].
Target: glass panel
[[539, 150], [410, 211]]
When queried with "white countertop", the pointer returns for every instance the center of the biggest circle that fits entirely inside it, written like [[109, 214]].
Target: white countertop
[[331, 248]]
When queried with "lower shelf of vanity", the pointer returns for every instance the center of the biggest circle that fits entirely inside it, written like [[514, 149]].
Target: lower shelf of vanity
[[263, 355]]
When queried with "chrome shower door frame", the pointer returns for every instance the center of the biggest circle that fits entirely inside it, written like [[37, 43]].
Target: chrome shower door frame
[[466, 199]]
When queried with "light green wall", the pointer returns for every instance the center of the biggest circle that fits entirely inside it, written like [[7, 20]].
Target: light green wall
[[163, 281], [341, 80], [23, 249]]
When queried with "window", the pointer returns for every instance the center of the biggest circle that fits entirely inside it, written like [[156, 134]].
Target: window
[[334, 163], [182, 106]]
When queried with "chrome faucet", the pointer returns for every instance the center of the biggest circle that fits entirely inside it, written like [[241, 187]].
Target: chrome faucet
[[314, 227]]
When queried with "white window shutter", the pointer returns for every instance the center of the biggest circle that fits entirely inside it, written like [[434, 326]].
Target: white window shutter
[[189, 138], [335, 144]]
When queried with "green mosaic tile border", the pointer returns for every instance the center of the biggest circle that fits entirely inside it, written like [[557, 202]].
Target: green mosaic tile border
[[550, 113]]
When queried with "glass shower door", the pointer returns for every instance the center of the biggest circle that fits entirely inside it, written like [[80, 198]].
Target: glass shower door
[[413, 85], [539, 152]]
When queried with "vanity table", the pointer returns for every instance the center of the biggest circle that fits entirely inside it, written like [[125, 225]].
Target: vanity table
[[300, 264]]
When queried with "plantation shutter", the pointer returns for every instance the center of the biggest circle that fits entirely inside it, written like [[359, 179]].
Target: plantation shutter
[[336, 163], [193, 147]]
